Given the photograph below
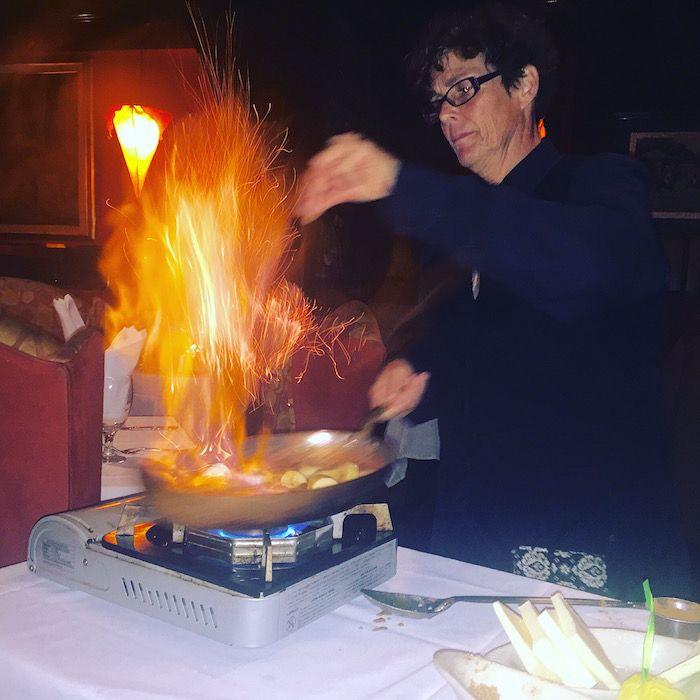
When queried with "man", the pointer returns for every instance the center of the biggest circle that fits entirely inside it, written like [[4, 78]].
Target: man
[[543, 362]]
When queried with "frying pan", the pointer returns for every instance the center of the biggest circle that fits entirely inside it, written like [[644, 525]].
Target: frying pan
[[248, 509]]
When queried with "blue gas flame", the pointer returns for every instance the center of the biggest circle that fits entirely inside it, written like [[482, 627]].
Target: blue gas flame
[[277, 533]]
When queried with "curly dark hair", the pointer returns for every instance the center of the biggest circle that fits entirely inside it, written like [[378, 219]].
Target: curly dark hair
[[508, 38]]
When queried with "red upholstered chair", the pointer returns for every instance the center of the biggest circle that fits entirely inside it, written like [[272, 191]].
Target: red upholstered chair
[[50, 417], [332, 391]]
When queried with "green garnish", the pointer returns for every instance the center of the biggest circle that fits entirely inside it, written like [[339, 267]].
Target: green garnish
[[649, 638]]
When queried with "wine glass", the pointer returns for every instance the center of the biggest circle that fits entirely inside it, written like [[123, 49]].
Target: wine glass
[[116, 404]]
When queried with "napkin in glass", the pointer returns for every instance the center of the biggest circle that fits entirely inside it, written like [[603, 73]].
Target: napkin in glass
[[121, 358]]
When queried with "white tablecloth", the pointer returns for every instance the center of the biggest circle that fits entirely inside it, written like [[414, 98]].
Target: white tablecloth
[[120, 480], [58, 643]]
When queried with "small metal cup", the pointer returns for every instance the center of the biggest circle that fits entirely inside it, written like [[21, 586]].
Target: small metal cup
[[675, 617]]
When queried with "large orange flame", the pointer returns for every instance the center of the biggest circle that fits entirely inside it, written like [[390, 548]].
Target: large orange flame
[[200, 267]]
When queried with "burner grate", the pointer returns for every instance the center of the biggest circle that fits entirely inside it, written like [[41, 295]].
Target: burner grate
[[288, 544]]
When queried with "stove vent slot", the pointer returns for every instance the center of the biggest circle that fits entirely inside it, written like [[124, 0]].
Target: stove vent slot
[[177, 605]]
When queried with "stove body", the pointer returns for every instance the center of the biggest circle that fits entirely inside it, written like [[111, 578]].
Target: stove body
[[244, 589]]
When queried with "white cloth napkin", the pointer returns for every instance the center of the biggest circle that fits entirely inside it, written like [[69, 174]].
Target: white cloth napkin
[[420, 441], [124, 352], [120, 360], [68, 314]]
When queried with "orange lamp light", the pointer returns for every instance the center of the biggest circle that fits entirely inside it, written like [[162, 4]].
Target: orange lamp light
[[139, 130]]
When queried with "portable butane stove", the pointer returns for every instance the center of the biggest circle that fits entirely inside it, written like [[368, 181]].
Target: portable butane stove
[[242, 588]]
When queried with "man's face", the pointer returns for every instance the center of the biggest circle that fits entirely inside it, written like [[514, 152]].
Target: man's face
[[480, 130]]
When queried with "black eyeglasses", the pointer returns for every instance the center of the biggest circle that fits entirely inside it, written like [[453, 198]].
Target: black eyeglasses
[[458, 94]]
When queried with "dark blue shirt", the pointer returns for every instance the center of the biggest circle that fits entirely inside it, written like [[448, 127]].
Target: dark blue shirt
[[546, 385]]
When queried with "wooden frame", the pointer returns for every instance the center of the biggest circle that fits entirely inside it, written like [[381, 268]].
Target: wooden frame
[[46, 144], [673, 160]]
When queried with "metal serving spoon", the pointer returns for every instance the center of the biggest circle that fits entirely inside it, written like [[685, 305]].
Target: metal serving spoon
[[423, 606]]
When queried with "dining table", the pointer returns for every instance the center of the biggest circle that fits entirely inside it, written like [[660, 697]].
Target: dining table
[[57, 642]]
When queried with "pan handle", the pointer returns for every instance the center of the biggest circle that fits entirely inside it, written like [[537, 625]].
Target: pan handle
[[371, 420]]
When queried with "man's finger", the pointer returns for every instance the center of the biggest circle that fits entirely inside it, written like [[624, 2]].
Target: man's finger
[[381, 392], [315, 204], [334, 153]]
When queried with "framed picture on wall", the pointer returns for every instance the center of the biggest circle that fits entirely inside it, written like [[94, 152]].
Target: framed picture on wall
[[673, 160], [46, 150]]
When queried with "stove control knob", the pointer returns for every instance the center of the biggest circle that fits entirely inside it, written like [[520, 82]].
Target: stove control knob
[[359, 528]]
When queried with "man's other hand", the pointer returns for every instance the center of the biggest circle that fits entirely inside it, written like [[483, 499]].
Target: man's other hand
[[350, 169], [398, 389]]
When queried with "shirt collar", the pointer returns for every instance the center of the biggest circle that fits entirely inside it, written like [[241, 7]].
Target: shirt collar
[[533, 168]]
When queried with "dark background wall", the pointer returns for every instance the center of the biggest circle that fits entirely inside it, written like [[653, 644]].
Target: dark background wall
[[339, 65]]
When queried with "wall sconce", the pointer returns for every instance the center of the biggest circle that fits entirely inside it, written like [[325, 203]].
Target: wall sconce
[[139, 130]]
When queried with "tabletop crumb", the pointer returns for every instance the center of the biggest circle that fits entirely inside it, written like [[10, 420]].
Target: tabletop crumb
[[378, 620], [400, 624], [377, 629]]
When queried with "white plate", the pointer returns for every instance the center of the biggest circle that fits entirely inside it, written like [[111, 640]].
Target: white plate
[[501, 671]]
